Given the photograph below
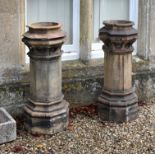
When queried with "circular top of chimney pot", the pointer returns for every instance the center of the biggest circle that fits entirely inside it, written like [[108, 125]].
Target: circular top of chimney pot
[[118, 23], [44, 33], [44, 25]]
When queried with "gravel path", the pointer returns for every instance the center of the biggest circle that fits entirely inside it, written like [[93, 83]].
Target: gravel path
[[86, 134]]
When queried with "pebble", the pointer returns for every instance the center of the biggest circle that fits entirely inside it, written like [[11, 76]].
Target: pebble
[[89, 135]]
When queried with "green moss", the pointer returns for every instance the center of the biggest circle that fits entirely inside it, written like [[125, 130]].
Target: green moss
[[67, 87], [139, 64]]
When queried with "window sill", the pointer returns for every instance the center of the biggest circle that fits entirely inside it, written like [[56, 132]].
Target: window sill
[[72, 69]]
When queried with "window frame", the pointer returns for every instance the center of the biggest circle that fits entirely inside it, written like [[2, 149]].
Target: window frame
[[71, 51], [97, 51]]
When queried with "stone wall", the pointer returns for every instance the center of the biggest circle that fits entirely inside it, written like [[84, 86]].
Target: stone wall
[[146, 31], [82, 84], [10, 28], [11, 59], [152, 30]]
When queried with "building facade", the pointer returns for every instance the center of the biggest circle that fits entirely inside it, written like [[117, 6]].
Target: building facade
[[83, 56]]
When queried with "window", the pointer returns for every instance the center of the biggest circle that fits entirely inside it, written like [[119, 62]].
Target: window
[[65, 12], [108, 9], [111, 10]]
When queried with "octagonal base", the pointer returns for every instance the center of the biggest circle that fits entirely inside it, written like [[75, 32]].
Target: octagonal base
[[47, 122], [118, 108]]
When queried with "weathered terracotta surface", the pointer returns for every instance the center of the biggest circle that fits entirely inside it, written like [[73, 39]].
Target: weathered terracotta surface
[[118, 102], [46, 112]]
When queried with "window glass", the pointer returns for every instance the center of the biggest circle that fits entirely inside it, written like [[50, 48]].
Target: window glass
[[108, 10], [52, 10]]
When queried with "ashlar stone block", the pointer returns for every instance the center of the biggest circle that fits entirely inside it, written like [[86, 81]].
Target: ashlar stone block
[[7, 127]]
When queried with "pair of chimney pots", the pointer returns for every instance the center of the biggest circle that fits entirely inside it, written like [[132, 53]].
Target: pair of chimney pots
[[47, 112]]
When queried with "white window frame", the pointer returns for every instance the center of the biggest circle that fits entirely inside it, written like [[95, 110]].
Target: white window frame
[[71, 51], [97, 51]]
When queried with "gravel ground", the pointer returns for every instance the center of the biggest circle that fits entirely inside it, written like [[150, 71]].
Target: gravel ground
[[86, 134]]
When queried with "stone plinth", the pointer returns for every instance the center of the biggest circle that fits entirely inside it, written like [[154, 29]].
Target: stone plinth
[[7, 127], [46, 112], [118, 102]]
